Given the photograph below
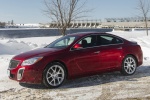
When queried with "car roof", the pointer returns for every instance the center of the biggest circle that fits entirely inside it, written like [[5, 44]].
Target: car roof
[[86, 33], [82, 34]]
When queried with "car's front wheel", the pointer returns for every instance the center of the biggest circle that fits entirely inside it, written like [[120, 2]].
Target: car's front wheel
[[54, 75], [129, 65]]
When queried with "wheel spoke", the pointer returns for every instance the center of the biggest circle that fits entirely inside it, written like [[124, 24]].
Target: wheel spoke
[[53, 70], [130, 70], [132, 66], [125, 66], [59, 80], [50, 73], [59, 72], [128, 60], [49, 77], [52, 80]]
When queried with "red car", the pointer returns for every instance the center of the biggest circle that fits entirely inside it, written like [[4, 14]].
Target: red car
[[76, 55]]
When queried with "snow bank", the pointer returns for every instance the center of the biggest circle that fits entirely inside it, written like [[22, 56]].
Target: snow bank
[[12, 47], [17, 46]]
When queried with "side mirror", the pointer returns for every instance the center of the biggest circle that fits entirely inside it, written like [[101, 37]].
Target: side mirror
[[77, 46]]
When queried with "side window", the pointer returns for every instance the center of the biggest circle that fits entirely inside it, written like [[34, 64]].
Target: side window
[[106, 40], [88, 41]]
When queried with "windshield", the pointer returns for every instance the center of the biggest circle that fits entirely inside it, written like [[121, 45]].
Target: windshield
[[62, 42]]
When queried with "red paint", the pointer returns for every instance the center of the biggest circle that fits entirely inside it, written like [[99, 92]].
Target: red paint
[[78, 61]]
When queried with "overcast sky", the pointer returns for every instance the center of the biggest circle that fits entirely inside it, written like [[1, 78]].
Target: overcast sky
[[30, 11]]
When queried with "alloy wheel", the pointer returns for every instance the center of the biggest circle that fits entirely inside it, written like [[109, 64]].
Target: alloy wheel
[[129, 65], [55, 75]]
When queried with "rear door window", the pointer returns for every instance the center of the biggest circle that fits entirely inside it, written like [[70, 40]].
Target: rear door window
[[107, 40]]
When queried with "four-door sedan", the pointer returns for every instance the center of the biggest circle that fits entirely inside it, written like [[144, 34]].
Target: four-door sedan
[[76, 55]]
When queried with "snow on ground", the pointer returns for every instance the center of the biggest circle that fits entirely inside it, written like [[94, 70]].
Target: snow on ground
[[105, 86]]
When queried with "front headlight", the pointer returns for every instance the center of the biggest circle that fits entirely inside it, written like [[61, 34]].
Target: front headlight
[[31, 61]]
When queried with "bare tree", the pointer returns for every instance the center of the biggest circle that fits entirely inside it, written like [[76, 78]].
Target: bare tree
[[144, 8], [2, 24], [62, 12]]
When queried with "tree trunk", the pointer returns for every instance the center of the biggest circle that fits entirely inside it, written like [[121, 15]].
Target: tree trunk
[[146, 27], [63, 31]]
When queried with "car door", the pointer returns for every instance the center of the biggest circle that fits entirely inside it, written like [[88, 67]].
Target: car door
[[87, 57], [110, 51]]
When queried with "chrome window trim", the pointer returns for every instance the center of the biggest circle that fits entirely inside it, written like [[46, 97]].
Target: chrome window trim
[[99, 45]]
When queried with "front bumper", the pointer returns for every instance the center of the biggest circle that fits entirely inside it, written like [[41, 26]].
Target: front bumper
[[28, 74]]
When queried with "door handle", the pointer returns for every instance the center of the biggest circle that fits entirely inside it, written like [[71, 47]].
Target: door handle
[[97, 52], [119, 48]]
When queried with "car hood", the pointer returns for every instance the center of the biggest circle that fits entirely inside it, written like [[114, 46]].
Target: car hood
[[36, 52]]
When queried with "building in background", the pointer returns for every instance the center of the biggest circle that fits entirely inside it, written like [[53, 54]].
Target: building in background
[[110, 23]]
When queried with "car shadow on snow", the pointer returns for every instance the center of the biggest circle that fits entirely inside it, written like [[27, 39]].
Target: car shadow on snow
[[143, 71]]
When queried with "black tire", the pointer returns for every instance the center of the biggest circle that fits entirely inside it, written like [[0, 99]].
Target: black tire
[[54, 75], [129, 65]]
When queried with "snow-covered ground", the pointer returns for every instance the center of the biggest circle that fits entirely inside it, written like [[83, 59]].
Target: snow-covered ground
[[105, 86]]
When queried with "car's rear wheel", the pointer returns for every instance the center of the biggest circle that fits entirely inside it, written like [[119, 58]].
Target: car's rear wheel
[[54, 75], [129, 65]]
